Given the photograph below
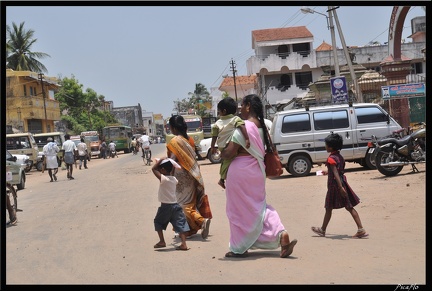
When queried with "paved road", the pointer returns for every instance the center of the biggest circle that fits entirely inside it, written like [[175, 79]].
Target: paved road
[[98, 229]]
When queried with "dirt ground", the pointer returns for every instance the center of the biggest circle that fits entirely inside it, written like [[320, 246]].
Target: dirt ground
[[98, 229]]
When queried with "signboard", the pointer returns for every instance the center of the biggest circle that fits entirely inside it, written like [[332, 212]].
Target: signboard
[[339, 90], [403, 91]]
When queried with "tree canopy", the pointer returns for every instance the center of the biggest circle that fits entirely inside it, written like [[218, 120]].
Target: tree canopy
[[81, 109], [196, 102]]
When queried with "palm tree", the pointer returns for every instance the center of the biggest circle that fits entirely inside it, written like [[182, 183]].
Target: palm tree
[[199, 96], [19, 56]]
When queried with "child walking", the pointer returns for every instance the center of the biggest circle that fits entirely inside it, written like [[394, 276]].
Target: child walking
[[339, 193], [169, 210], [223, 130]]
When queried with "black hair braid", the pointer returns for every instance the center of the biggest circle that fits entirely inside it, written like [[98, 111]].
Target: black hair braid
[[258, 109]]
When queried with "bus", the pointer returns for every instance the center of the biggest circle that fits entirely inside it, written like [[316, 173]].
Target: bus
[[195, 129], [121, 135]]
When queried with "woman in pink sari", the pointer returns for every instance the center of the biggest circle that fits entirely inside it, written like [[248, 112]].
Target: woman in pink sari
[[254, 224]]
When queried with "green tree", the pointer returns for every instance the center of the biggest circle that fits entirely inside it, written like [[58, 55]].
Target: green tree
[[19, 56], [81, 110]]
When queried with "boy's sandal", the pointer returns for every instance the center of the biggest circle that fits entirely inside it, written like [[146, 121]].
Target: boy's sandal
[[318, 230], [360, 234]]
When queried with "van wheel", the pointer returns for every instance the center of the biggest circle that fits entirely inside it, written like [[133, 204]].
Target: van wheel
[[39, 166], [299, 166], [21, 185], [370, 162], [215, 159]]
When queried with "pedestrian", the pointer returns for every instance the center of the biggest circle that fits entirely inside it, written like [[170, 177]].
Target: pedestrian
[[134, 145], [50, 151], [190, 190], [169, 210], [223, 129], [103, 149], [112, 150], [69, 148], [339, 193], [82, 153], [254, 224]]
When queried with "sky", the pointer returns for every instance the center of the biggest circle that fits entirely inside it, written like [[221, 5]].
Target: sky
[[155, 55]]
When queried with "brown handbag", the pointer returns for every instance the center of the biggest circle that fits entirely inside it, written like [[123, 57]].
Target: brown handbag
[[273, 165]]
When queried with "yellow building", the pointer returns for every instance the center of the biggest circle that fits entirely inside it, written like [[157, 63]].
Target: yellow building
[[30, 104]]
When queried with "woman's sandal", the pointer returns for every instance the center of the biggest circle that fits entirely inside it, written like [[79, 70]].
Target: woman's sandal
[[318, 230], [288, 249], [234, 255]]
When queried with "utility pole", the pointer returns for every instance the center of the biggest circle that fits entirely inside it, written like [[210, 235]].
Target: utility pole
[[336, 61], [234, 73], [348, 58], [44, 100]]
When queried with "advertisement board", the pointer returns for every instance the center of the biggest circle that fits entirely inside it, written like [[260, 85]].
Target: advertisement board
[[339, 90], [403, 91]]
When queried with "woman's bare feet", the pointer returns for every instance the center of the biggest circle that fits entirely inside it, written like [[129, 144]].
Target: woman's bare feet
[[287, 247]]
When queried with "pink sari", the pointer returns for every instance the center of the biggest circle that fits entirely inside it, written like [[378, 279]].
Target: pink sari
[[253, 223]]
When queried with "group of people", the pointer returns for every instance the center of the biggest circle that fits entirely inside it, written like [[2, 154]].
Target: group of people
[[108, 150], [69, 153], [253, 223], [69, 149]]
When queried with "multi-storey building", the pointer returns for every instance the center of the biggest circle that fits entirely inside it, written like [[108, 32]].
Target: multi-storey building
[[286, 65], [30, 104]]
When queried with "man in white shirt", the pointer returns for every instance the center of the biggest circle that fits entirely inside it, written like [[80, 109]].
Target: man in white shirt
[[112, 149], [82, 153], [145, 143], [69, 149]]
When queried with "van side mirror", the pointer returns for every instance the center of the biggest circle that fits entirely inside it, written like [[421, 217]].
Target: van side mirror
[[388, 118]]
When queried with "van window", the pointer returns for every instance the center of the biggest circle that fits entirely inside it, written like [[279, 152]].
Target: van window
[[296, 123], [370, 115], [41, 141], [331, 120], [19, 142]]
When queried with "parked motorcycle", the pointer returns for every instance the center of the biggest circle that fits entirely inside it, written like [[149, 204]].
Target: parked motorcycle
[[393, 153], [372, 145]]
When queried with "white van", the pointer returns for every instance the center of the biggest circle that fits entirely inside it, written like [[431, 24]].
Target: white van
[[23, 144], [299, 134]]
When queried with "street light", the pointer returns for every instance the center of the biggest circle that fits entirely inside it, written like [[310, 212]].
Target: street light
[[329, 18]]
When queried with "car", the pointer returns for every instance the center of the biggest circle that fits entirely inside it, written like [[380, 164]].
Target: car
[[18, 173], [299, 134], [205, 151], [25, 161]]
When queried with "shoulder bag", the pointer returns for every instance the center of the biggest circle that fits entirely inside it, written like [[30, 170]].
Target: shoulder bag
[[273, 165]]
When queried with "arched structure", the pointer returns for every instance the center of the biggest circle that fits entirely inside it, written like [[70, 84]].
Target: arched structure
[[397, 20], [395, 67]]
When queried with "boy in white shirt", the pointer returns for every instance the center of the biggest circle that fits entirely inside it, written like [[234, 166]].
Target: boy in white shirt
[[169, 210]]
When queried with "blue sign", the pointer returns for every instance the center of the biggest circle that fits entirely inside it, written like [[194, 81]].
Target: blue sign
[[339, 90], [403, 91]]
